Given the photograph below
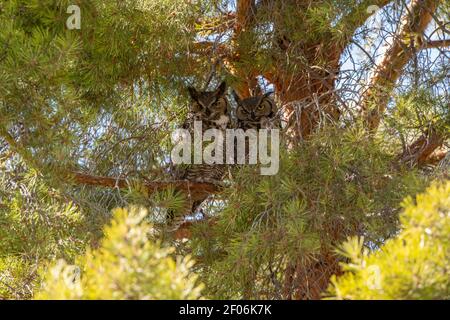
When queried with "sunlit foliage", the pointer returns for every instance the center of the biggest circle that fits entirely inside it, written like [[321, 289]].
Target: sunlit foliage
[[413, 265], [128, 265], [104, 100]]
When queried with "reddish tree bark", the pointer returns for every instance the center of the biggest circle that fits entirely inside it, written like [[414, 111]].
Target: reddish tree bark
[[387, 73], [194, 190], [419, 152]]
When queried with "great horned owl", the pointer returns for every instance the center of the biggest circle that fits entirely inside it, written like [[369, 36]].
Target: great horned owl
[[210, 107], [213, 110], [258, 112]]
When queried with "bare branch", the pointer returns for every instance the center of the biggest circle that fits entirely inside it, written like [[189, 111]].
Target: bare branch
[[419, 152], [206, 47], [195, 190], [436, 44], [359, 15]]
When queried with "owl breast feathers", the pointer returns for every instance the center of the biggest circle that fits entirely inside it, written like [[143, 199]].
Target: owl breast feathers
[[213, 110]]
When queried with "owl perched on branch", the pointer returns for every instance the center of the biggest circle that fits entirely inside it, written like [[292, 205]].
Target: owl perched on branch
[[213, 110], [258, 112], [210, 107]]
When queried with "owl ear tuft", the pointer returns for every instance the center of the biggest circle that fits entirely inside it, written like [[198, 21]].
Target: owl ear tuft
[[236, 96], [193, 93], [221, 89], [268, 94]]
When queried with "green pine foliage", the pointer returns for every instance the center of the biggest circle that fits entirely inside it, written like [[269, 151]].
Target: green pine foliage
[[37, 225], [413, 265], [63, 85], [416, 109], [128, 265], [105, 99], [341, 183]]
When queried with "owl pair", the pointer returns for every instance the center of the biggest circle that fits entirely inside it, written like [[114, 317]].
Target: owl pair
[[214, 110]]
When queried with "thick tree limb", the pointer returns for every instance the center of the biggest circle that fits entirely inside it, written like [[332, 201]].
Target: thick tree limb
[[420, 152], [436, 156], [194, 190], [380, 87], [433, 44], [245, 18], [244, 15]]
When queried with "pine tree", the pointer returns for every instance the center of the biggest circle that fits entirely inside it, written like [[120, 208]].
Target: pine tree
[[411, 266], [128, 265], [86, 117]]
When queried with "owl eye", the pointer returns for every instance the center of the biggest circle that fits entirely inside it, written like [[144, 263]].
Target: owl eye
[[260, 107], [215, 104]]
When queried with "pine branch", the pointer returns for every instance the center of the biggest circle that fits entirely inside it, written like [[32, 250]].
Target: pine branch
[[245, 18], [436, 156], [17, 148], [195, 190], [208, 47], [217, 24], [184, 231], [244, 15], [358, 16], [434, 44], [381, 85], [420, 151]]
